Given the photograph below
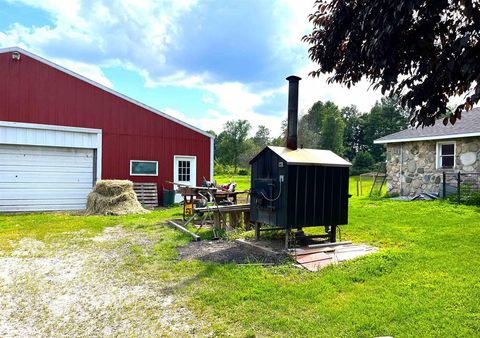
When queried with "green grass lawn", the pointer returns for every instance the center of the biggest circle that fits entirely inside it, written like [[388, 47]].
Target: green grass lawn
[[424, 281], [243, 182]]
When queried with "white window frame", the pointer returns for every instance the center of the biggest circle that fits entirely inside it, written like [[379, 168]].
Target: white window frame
[[156, 168], [193, 170], [439, 155]]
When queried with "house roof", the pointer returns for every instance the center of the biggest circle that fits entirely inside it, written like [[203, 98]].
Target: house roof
[[312, 157], [98, 85], [467, 126]]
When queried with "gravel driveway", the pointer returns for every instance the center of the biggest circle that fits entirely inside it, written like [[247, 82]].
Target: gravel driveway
[[80, 287]]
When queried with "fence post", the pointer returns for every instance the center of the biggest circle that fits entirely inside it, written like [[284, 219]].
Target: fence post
[[444, 184], [458, 187]]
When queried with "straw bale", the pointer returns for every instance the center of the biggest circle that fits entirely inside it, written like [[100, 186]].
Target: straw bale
[[113, 187], [114, 197]]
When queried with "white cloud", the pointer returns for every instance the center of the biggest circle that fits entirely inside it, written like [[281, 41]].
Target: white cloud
[[86, 35], [314, 89]]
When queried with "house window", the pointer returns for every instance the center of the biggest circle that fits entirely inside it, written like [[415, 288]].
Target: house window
[[184, 171], [143, 168], [446, 155]]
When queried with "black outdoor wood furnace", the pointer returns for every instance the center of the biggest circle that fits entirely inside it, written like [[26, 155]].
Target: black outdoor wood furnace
[[294, 188]]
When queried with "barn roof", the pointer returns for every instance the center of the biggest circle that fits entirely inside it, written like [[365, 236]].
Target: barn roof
[[467, 126], [98, 85], [312, 157]]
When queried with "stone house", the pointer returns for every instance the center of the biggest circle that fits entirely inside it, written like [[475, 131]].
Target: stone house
[[417, 158]]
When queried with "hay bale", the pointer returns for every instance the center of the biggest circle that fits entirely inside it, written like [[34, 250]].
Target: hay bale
[[113, 187], [114, 197]]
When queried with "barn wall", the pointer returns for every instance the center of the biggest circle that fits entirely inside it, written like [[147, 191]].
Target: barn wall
[[33, 92]]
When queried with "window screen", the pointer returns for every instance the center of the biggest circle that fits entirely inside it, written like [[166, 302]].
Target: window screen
[[184, 171], [144, 168], [447, 155]]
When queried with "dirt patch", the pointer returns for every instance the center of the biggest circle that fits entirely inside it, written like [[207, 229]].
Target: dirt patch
[[223, 251]]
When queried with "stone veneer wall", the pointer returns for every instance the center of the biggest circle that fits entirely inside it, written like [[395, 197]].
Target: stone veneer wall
[[417, 172]]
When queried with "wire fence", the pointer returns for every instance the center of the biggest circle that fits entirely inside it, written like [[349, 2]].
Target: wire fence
[[461, 187]]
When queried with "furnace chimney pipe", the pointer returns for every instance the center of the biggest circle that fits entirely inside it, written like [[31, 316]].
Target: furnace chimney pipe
[[292, 111]]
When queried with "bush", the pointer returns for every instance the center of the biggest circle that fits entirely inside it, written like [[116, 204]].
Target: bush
[[362, 162], [243, 172], [224, 169]]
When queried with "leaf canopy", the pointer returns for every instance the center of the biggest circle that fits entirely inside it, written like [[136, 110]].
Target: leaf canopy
[[424, 51]]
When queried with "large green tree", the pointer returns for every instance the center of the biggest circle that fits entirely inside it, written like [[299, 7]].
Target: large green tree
[[424, 51], [354, 135], [386, 117], [331, 133], [231, 142], [322, 127], [262, 137]]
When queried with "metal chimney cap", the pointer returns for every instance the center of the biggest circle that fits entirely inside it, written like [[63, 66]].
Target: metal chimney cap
[[293, 78]]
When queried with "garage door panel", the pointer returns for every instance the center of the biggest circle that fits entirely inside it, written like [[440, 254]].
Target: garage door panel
[[46, 177], [45, 158], [49, 207], [45, 185], [38, 178], [53, 201], [9, 149], [8, 194], [14, 169]]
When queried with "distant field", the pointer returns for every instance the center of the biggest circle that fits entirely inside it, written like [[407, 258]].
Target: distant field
[[243, 183]]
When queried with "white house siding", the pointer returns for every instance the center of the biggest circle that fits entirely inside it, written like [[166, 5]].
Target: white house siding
[[411, 166]]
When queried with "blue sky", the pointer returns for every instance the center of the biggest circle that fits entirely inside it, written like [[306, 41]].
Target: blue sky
[[205, 62]]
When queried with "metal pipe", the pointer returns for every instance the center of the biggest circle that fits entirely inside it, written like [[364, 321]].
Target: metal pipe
[[444, 184], [292, 112], [401, 168], [459, 178]]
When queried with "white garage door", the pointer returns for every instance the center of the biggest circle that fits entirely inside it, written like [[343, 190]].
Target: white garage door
[[37, 178]]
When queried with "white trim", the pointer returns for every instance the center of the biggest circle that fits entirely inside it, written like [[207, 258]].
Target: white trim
[[192, 157], [49, 127], [438, 157], [156, 168], [35, 126], [428, 138], [98, 85], [193, 173], [212, 163]]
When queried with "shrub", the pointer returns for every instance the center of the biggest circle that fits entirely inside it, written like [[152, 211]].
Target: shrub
[[362, 162], [243, 172]]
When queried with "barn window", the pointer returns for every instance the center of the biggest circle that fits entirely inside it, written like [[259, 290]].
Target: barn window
[[184, 171], [445, 155], [143, 168]]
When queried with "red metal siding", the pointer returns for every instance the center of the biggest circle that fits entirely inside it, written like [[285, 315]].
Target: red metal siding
[[33, 92]]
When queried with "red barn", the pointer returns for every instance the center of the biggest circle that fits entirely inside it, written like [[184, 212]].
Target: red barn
[[60, 132]]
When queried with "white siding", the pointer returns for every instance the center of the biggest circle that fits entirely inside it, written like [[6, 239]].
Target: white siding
[[52, 136], [39, 178]]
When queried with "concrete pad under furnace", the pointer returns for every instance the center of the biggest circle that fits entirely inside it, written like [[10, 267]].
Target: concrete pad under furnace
[[311, 258]]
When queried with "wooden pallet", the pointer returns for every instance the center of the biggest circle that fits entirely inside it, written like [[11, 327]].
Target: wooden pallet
[[147, 194]]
